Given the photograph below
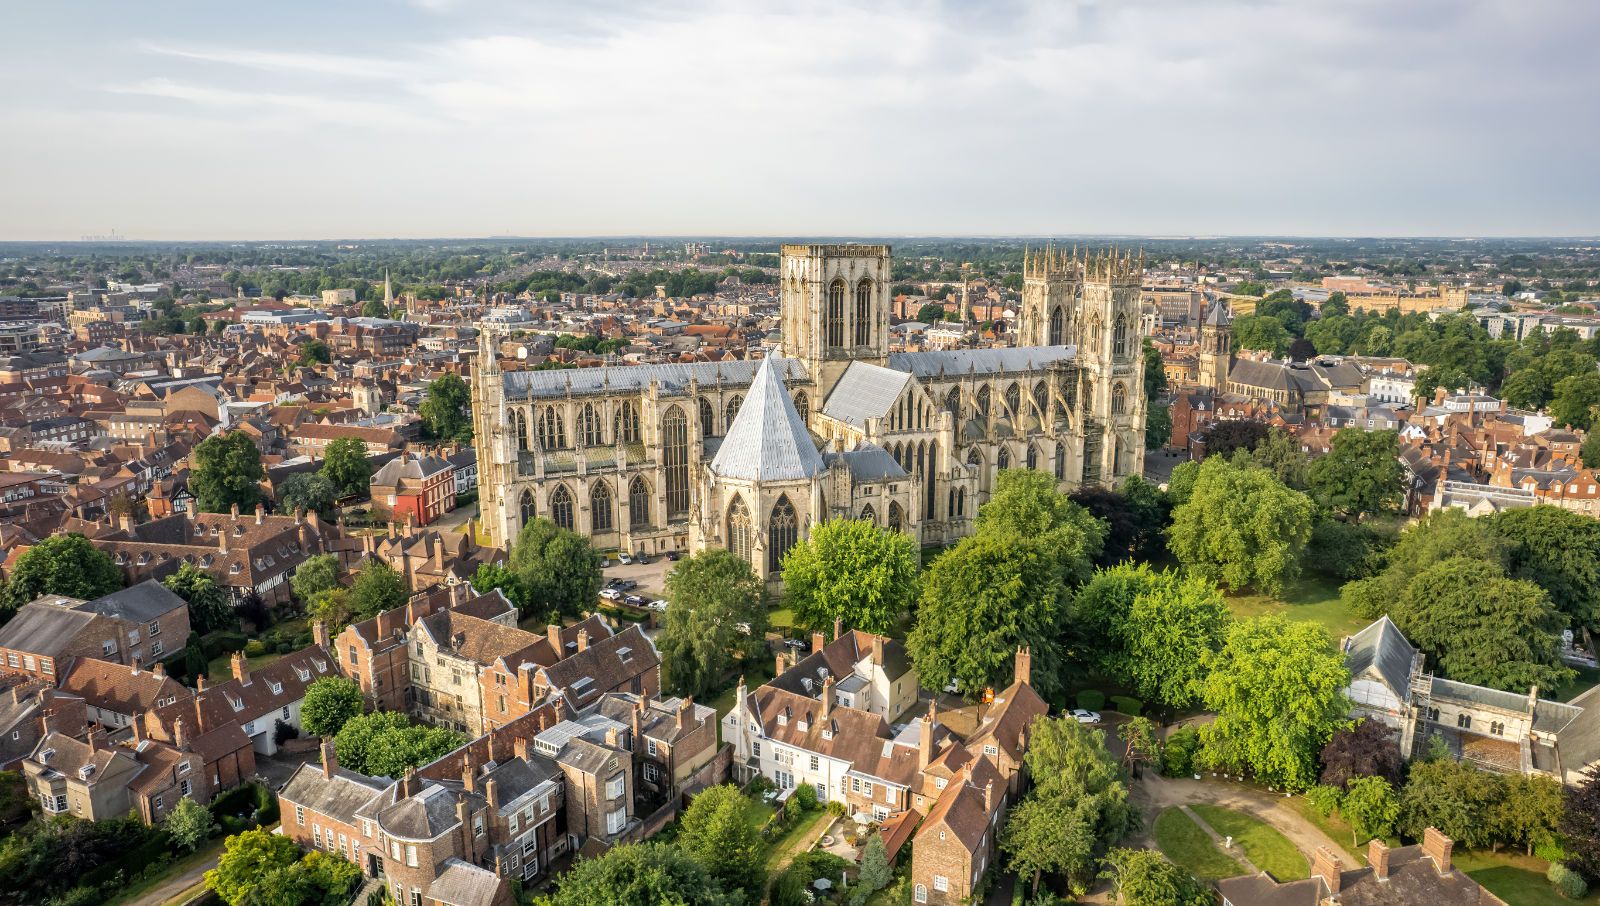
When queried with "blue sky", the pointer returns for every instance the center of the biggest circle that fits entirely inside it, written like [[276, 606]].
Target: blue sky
[[555, 117]]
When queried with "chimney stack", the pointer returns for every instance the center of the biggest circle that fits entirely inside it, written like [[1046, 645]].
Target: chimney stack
[[261, 512], [1326, 865], [838, 629], [319, 632], [138, 728], [241, 671], [1023, 668], [200, 683], [552, 634], [1378, 858], [491, 792], [877, 651], [1437, 847], [406, 783], [988, 796], [159, 669], [818, 641], [685, 708], [520, 747], [583, 640], [925, 739], [135, 665], [827, 699], [180, 735], [330, 759], [469, 777], [234, 511]]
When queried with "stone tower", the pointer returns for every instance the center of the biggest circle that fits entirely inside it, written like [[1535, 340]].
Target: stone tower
[[494, 440], [1216, 347], [1050, 291], [1111, 360], [835, 308]]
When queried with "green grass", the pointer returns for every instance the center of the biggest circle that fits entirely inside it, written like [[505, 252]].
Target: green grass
[[1311, 599], [1513, 877], [1191, 849], [220, 670], [1336, 828], [793, 840], [207, 853], [754, 675], [1263, 845], [1587, 678]]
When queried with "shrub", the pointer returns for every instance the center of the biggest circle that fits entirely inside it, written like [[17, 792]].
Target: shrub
[[1091, 699], [1177, 757], [1550, 850], [1124, 704], [282, 732], [792, 809], [806, 795], [219, 643], [255, 648], [1567, 882], [1324, 799]]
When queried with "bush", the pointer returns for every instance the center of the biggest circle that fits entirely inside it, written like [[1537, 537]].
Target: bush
[[1177, 756], [1345, 551], [282, 732], [255, 648], [1324, 799], [1091, 700], [1567, 882], [792, 809], [806, 795], [1124, 704], [1550, 850]]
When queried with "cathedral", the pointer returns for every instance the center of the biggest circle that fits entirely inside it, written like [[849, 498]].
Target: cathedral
[[750, 455]]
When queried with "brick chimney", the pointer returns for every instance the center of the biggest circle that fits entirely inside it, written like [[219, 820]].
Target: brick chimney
[[469, 777], [138, 728], [200, 683], [330, 759], [818, 641], [234, 511], [180, 735], [159, 669], [877, 651], [1437, 847], [241, 672], [199, 716], [827, 699], [1325, 865], [583, 640], [491, 792], [1378, 858], [925, 739], [838, 629], [526, 672], [988, 796], [261, 513], [135, 666], [1022, 670], [319, 632], [685, 709], [407, 783], [552, 634], [636, 726], [97, 738], [222, 540]]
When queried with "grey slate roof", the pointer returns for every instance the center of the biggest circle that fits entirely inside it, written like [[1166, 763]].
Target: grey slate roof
[[869, 462], [337, 797], [954, 362], [138, 603], [1381, 646], [767, 440], [463, 884], [864, 391], [43, 628], [673, 378], [423, 816]]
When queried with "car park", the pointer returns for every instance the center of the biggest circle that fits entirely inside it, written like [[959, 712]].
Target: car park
[[625, 559], [625, 585], [674, 556]]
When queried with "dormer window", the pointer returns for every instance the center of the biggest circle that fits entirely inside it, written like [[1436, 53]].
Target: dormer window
[[303, 673], [235, 568], [277, 687]]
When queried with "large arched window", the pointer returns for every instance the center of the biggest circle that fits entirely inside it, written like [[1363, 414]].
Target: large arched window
[[527, 507], [1119, 399], [1003, 460], [521, 420], [1119, 337], [897, 517], [561, 507], [783, 530], [802, 405], [929, 484], [1014, 402], [974, 458], [1061, 462], [983, 401], [552, 429], [1057, 326], [1041, 401], [627, 423], [961, 501], [864, 312], [868, 514], [589, 426], [833, 318], [708, 418], [952, 404], [731, 410], [675, 458], [740, 531], [600, 509], [1033, 457], [639, 504]]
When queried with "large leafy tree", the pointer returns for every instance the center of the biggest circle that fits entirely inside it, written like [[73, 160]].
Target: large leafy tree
[[444, 411], [329, 704], [1580, 824], [1280, 454], [384, 743], [1480, 627], [1241, 527], [716, 831], [1278, 690], [1026, 504], [225, 470], [1369, 804], [991, 593], [1529, 812], [1226, 437], [345, 464], [498, 576], [246, 859], [60, 565], [558, 570], [851, 570], [1452, 796], [709, 595], [189, 824], [1144, 877], [1263, 332], [377, 588], [655, 874], [1438, 536], [315, 575], [209, 607], [1560, 550], [1367, 749], [1134, 515], [1158, 631], [1574, 400], [1360, 475], [309, 491]]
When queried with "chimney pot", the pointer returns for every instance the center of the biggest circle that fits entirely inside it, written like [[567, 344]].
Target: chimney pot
[[583, 640]]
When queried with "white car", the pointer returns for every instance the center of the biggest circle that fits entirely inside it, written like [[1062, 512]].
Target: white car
[[625, 559], [611, 594], [1085, 717], [659, 604]]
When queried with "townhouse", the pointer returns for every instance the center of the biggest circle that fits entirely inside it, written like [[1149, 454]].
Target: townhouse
[[115, 693], [95, 779], [143, 623]]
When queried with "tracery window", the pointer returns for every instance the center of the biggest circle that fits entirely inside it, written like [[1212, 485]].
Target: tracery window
[[897, 518], [520, 420], [627, 423], [731, 410], [529, 511], [833, 318], [708, 418], [1014, 402], [802, 405], [552, 429], [675, 459], [600, 509], [589, 426], [1057, 335], [639, 504], [783, 530], [739, 529], [864, 312], [561, 507]]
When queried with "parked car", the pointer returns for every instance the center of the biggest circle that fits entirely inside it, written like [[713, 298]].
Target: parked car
[[674, 556], [659, 604], [611, 594], [796, 644], [641, 558], [625, 559], [742, 627], [625, 585], [1083, 716], [952, 688], [636, 600], [614, 582]]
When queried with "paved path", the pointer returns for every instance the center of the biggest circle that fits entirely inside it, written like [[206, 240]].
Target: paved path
[[1153, 793], [174, 886]]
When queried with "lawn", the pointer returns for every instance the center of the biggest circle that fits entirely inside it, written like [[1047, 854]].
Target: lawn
[[1311, 599], [1513, 877], [1263, 845], [220, 670], [794, 840], [754, 675], [1191, 849], [1587, 678]]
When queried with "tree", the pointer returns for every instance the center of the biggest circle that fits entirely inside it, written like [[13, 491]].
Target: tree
[[1157, 427], [1279, 453], [498, 576], [644, 873], [1369, 804], [1360, 475], [377, 588], [209, 607], [314, 352], [1144, 877], [1155, 374], [315, 575], [1224, 438], [1278, 690], [1263, 332], [1026, 504], [1580, 823], [1560, 550], [875, 871], [329, 703], [990, 594], [1241, 527], [1134, 516], [345, 464], [851, 570], [1367, 749], [445, 410], [1574, 400], [1157, 631], [67, 565], [225, 471], [716, 832], [189, 824], [931, 313], [1478, 626], [1529, 812], [309, 491], [246, 858], [1438, 536], [373, 308], [384, 743], [1302, 349], [1452, 796], [1140, 742], [709, 595], [558, 569]]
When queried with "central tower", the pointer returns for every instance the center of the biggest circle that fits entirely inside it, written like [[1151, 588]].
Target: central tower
[[835, 308]]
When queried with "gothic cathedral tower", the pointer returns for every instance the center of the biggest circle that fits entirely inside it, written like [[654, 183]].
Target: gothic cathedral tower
[[1216, 347], [835, 308], [1050, 292], [1111, 357]]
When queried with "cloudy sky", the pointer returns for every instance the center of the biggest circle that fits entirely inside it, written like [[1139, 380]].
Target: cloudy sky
[[343, 118]]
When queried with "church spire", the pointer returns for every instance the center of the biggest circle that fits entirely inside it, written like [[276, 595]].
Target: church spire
[[388, 291]]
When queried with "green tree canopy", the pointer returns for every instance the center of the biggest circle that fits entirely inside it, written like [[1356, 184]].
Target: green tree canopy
[[385, 743], [377, 588], [716, 832], [1026, 504], [1144, 877], [650, 874], [246, 859], [1241, 527], [66, 565], [1158, 631], [226, 471], [1278, 690], [309, 491], [209, 606], [312, 352], [1574, 399], [344, 463], [445, 410], [1361, 474], [1263, 332], [315, 575], [851, 570], [558, 569], [709, 595], [189, 824], [1560, 550], [329, 703]]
